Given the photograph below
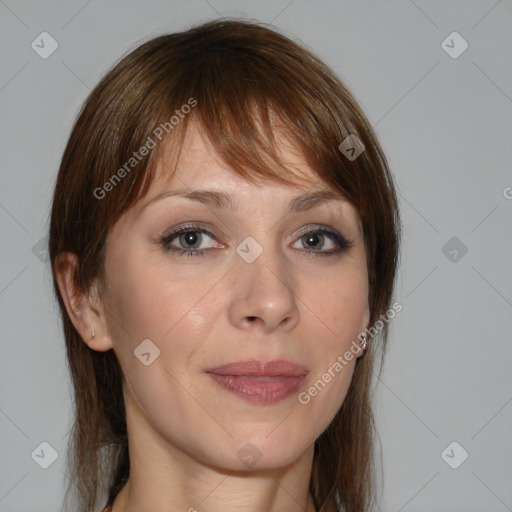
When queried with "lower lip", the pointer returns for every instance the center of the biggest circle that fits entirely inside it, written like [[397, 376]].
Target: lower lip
[[262, 390]]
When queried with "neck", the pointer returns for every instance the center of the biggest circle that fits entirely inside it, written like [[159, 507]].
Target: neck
[[166, 478]]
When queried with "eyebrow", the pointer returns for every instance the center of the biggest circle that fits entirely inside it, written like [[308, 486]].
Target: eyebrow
[[217, 199]]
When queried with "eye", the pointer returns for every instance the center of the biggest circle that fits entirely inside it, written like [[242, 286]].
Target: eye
[[324, 242], [190, 240]]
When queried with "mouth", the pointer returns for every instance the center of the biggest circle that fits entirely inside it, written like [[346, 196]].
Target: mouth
[[260, 381], [257, 368]]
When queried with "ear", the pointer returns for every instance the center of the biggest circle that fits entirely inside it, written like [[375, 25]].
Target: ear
[[85, 309]]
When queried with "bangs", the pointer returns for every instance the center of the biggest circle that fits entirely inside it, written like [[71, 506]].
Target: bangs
[[248, 107], [254, 156]]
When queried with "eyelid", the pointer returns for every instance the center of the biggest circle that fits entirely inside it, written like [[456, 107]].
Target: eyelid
[[315, 227], [196, 226], [338, 236]]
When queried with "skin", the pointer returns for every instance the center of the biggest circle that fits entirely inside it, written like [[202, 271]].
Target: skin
[[184, 430]]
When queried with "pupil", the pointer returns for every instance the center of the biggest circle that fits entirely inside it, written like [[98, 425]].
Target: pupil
[[312, 240], [191, 238]]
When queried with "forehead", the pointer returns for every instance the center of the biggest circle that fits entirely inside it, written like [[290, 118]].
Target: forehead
[[198, 163], [196, 171]]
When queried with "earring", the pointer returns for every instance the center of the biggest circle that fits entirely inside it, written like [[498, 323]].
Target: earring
[[93, 334], [364, 342]]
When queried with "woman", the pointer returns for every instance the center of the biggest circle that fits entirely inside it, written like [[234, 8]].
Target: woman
[[224, 237]]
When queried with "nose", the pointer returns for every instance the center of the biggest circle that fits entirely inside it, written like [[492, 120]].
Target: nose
[[262, 295]]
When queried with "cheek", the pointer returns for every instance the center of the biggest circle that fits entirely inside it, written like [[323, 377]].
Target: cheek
[[337, 315], [339, 305], [151, 301]]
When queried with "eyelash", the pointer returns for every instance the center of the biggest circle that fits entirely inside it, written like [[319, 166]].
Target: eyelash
[[342, 242]]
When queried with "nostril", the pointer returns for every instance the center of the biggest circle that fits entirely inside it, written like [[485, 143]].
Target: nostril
[[251, 318]]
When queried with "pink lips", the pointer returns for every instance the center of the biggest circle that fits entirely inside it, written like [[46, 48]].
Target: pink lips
[[260, 381]]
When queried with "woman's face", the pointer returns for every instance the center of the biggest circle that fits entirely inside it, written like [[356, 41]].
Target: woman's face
[[252, 281]]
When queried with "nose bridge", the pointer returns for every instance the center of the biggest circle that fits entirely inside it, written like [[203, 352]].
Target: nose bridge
[[263, 286]]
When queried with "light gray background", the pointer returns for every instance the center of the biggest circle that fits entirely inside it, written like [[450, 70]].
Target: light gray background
[[445, 125]]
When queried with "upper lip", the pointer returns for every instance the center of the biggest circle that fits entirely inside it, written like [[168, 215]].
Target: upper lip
[[257, 368]]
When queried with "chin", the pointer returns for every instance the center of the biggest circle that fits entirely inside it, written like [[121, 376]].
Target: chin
[[253, 453]]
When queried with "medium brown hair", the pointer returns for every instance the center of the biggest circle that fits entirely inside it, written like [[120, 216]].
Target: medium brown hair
[[246, 80]]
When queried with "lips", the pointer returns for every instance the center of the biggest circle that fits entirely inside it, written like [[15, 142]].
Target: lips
[[260, 381], [256, 368]]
